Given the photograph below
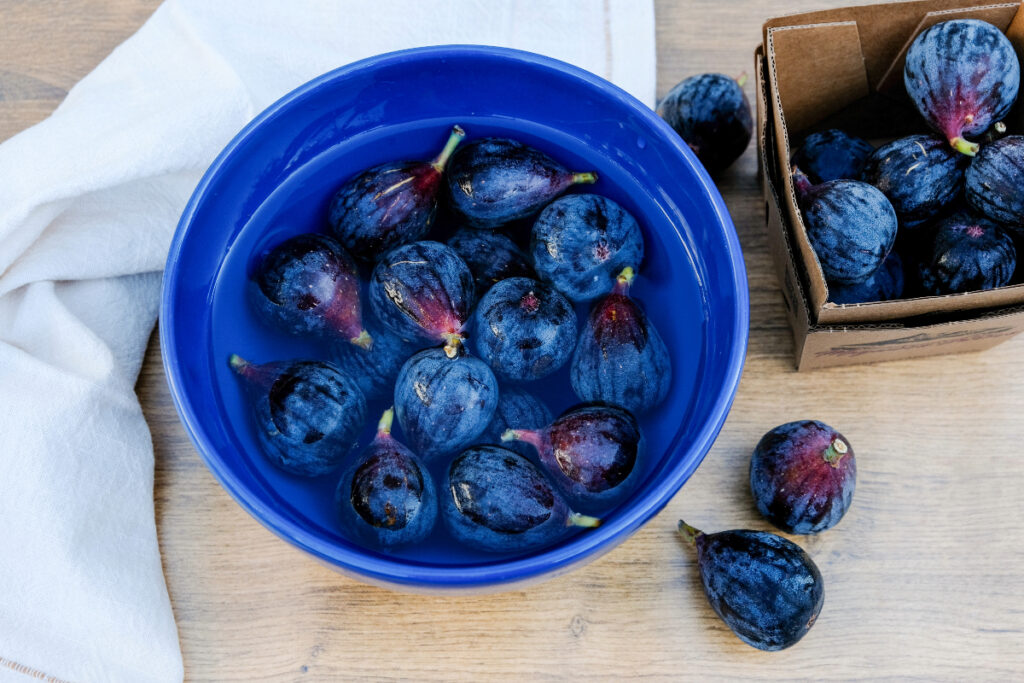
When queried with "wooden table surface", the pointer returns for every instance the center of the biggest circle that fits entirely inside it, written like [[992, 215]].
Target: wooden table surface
[[924, 577]]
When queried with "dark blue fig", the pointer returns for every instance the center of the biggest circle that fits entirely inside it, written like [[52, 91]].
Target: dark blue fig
[[994, 182], [308, 413], [712, 115], [516, 407], [967, 253], [444, 403], [493, 181], [386, 497], [582, 241], [885, 284], [491, 256], [920, 174], [803, 475], [498, 501], [423, 290], [375, 369], [593, 452], [389, 205], [308, 284], [525, 329], [832, 155], [620, 357], [765, 588], [963, 75], [850, 224]]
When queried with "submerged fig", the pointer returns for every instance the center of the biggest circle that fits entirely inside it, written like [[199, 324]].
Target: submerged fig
[[491, 256], [516, 408]]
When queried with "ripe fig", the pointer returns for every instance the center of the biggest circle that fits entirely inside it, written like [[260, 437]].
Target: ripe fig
[[497, 500], [765, 588], [994, 181], [832, 155], [493, 181], [620, 357], [803, 475], [885, 284], [491, 256], [374, 369], [309, 284], [308, 414], [711, 114], [967, 253], [389, 205], [963, 75], [850, 224], [516, 407]]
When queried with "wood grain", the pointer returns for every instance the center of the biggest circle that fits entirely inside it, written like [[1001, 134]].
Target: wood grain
[[924, 578]]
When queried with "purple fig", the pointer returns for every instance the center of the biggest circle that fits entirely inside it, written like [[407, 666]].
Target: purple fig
[[803, 475]]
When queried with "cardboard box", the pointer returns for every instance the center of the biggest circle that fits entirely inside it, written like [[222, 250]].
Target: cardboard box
[[844, 69]]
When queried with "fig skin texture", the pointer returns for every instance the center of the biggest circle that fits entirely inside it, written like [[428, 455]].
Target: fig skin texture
[[803, 475], [994, 181], [885, 284], [832, 155], [967, 253]]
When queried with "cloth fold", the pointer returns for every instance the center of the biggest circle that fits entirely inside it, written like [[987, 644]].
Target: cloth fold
[[88, 204]]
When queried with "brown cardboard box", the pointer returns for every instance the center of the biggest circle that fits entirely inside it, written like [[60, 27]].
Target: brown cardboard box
[[844, 68]]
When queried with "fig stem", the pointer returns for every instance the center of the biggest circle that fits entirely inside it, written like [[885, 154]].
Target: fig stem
[[452, 342], [454, 139], [237, 363], [624, 279], [525, 435], [584, 178], [689, 533], [835, 452], [586, 521], [741, 80], [1000, 127], [964, 146], [801, 182], [384, 426], [363, 340]]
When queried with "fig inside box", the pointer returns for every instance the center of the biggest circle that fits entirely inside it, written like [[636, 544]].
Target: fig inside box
[[843, 69]]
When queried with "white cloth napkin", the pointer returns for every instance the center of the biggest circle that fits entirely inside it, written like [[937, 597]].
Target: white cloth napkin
[[89, 200]]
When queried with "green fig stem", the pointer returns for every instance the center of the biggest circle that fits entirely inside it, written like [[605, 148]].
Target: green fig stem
[[452, 344], [689, 533], [964, 146], [741, 80], [384, 426], [363, 340], [835, 452], [1000, 127], [586, 521], [238, 364], [584, 178], [624, 279], [453, 141], [531, 436]]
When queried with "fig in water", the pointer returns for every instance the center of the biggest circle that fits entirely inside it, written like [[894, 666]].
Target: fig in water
[[497, 500], [582, 241], [765, 588], [592, 452], [620, 357], [308, 284], [491, 256], [995, 180], [712, 115], [850, 224], [920, 174], [963, 75], [389, 205], [308, 413], [516, 407], [803, 475], [885, 284], [444, 403], [374, 369], [423, 290], [967, 253], [493, 181], [832, 155], [386, 497]]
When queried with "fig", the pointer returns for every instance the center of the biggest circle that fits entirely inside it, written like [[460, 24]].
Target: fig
[[885, 284], [967, 253], [389, 205], [491, 256], [803, 475], [765, 588], [994, 181], [711, 114], [920, 174], [494, 181], [963, 75], [851, 225], [832, 155], [516, 407], [620, 357]]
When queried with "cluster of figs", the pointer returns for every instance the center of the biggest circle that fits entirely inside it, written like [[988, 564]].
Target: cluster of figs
[[454, 334], [931, 214]]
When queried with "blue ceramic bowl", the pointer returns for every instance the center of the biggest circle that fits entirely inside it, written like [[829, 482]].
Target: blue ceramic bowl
[[276, 178]]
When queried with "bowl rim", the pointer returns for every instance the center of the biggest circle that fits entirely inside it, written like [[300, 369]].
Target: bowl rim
[[542, 564]]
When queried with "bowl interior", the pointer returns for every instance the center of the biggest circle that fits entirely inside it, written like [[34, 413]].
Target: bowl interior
[[276, 179]]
